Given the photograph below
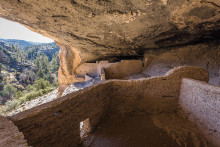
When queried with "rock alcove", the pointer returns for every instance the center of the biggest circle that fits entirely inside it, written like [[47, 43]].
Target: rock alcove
[[126, 40]]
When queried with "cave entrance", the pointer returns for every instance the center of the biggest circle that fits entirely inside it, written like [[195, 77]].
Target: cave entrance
[[29, 64], [84, 128]]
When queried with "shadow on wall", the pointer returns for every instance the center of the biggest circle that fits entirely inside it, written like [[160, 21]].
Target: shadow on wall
[[44, 126]]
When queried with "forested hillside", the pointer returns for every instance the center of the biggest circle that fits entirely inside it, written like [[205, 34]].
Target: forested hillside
[[27, 72], [22, 43]]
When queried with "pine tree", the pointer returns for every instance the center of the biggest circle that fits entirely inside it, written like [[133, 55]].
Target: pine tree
[[54, 64], [9, 91], [0, 68], [40, 73], [37, 62]]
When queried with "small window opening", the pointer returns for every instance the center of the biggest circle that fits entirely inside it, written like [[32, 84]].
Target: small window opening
[[84, 128]]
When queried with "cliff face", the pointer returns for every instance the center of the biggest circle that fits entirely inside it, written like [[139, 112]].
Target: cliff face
[[105, 29]]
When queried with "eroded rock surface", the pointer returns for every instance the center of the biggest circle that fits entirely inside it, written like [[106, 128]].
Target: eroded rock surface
[[105, 29], [205, 55], [10, 135]]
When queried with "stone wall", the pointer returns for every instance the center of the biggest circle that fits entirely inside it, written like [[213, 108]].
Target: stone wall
[[201, 101], [153, 95], [155, 63], [9, 134], [117, 70], [58, 122], [207, 56], [93, 69], [123, 68]]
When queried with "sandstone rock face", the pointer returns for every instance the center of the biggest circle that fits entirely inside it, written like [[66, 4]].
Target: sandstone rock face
[[10, 135], [103, 29], [205, 55], [69, 60], [57, 123]]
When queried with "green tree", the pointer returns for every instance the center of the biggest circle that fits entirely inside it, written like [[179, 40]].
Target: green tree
[[54, 65], [0, 68], [45, 66], [30, 88], [37, 62], [40, 73], [17, 46], [9, 91], [41, 84], [11, 104], [19, 94], [55, 83]]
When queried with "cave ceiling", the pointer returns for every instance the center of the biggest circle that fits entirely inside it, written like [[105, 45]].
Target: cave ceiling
[[99, 29]]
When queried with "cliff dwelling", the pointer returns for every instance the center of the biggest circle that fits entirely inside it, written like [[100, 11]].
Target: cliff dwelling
[[155, 66]]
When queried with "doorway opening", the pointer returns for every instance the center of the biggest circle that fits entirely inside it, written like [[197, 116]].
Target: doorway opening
[[85, 128]]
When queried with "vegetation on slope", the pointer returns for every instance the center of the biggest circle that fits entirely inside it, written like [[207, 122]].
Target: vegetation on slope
[[26, 73]]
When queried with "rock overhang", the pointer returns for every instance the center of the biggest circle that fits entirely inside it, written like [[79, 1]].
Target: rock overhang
[[87, 31], [99, 29]]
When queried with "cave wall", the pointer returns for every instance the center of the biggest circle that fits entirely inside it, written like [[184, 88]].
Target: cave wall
[[204, 55], [201, 102], [57, 123]]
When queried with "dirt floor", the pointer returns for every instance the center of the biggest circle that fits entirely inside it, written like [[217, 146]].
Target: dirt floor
[[138, 130]]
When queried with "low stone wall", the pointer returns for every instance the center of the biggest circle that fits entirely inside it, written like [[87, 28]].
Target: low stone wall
[[58, 123], [202, 103], [116, 70], [92, 68], [153, 95], [9, 134], [123, 68]]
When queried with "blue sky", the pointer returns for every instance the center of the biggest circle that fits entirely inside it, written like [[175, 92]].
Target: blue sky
[[13, 30]]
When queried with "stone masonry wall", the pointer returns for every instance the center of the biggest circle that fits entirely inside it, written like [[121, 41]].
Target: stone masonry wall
[[9, 134], [153, 95], [201, 101], [123, 68], [93, 69], [57, 123]]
